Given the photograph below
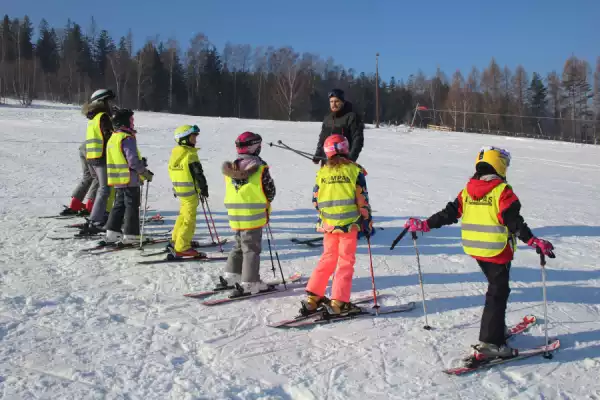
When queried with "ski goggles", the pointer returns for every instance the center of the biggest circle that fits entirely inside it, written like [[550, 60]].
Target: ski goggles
[[503, 152], [193, 130]]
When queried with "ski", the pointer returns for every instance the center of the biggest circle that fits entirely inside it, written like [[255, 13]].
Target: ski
[[523, 326], [326, 318], [110, 247], [62, 216], [197, 246], [313, 242], [272, 289], [157, 219], [199, 295], [525, 353], [281, 324], [79, 237], [202, 258]]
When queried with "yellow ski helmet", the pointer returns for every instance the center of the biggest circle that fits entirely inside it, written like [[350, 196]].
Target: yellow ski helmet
[[497, 158], [183, 133]]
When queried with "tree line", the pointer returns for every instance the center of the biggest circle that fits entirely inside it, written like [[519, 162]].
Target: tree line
[[67, 64]]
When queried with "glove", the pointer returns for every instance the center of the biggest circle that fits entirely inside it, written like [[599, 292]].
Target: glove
[[366, 229], [316, 160], [204, 192], [145, 161], [147, 175], [544, 246], [416, 225]]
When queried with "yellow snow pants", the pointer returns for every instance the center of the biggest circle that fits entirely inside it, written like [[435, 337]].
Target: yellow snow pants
[[185, 226]]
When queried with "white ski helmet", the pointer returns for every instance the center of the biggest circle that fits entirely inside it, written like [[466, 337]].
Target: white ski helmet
[[102, 95]]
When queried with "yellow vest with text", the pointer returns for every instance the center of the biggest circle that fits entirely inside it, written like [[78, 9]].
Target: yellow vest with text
[[337, 194], [247, 206], [94, 141], [117, 167], [482, 233], [179, 170]]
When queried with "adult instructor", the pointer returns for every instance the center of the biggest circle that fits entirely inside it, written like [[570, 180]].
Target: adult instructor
[[341, 121]]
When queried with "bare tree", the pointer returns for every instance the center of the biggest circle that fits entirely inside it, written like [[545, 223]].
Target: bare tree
[[289, 79], [519, 87]]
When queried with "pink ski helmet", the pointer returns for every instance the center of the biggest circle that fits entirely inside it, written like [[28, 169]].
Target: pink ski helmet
[[336, 144], [248, 143]]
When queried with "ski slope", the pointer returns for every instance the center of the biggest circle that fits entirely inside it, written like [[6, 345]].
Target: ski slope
[[77, 326]]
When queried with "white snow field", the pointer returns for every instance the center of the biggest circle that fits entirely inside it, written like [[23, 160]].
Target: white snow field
[[79, 326]]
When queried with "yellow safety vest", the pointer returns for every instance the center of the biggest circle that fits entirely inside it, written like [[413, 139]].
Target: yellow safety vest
[[247, 206], [94, 141], [482, 233], [179, 170], [337, 194], [117, 167]]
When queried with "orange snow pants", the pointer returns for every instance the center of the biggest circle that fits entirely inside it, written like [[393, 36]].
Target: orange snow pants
[[339, 251]]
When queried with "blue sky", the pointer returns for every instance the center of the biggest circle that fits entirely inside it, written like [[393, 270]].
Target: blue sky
[[451, 34]]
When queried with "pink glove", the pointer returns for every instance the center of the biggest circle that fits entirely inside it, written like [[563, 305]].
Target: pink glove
[[416, 225], [544, 246]]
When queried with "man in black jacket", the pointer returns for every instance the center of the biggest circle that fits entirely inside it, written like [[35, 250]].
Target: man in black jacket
[[342, 121]]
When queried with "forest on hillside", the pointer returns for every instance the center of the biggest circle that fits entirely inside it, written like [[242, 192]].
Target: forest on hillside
[[68, 63]]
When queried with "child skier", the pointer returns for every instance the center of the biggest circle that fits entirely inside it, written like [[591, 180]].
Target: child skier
[[340, 195], [124, 168], [188, 181], [98, 111], [85, 189], [491, 220], [249, 192]]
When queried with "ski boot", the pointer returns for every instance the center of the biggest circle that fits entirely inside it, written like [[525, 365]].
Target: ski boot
[[189, 253], [91, 229], [341, 308], [485, 352], [112, 237], [312, 304], [246, 288], [228, 280]]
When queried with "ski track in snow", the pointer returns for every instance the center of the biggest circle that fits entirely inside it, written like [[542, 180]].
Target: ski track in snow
[[82, 326]]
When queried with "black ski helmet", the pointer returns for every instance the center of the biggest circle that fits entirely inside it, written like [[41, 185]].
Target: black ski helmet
[[121, 119]]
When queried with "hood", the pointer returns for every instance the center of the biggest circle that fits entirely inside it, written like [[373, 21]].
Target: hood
[[244, 166], [478, 188], [91, 110]]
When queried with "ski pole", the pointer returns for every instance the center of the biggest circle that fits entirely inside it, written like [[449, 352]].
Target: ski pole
[[547, 354], [376, 306], [414, 237], [270, 232], [304, 154], [213, 225], [398, 238], [144, 216], [206, 219], [271, 253]]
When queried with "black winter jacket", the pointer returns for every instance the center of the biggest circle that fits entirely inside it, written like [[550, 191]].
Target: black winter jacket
[[345, 122]]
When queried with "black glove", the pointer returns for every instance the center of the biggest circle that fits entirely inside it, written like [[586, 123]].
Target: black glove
[[204, 192], [148, 175], [145, 161], [316, 160]]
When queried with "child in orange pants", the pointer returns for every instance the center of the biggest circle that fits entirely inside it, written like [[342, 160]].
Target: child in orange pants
[[340, 195]]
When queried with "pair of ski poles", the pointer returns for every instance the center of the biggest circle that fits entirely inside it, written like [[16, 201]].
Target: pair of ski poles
[[205, 206], [547, 354]]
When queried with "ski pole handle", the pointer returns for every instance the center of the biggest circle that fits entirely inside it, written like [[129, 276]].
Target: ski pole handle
[[399, 238], [542, 257]]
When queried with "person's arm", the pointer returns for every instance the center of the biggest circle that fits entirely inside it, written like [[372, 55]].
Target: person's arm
[[198, 175], [268, 185], [510, 215], [319, 152], [129, 147], [448, 216], [106, 126], [357, 134]]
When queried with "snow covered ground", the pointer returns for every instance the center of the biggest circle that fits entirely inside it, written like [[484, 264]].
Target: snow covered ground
[[76, 326]]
